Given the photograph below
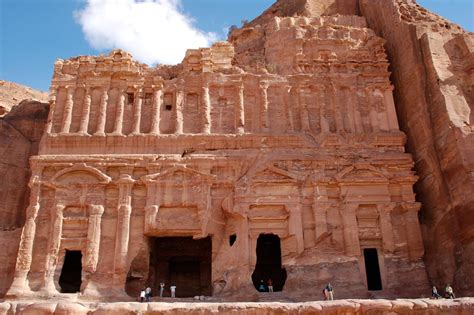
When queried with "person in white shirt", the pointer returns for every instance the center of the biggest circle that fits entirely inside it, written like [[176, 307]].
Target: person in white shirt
[[173, 291]]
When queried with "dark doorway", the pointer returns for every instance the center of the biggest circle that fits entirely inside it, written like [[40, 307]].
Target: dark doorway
[[268, 264], [372, 269], [71, 275], [183, 262]]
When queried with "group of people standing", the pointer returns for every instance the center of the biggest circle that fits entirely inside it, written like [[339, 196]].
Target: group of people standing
[[146, 294], [448, 292], [265, 288]]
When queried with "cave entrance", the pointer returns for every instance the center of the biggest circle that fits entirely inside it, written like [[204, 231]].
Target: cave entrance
[[372, 269], [70, 279], [268, 264], [183, 262]]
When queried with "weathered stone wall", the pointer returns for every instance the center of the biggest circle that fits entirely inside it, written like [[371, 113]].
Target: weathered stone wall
[[431, 64], [20, 131], [9, 241]]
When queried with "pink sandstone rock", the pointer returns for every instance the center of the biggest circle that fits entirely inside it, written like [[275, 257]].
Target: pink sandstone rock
[[254, 160]]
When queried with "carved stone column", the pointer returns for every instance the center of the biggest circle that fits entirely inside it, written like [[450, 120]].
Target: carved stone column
[[304, 108], [102, 113], [137, 112], [124, 210], [351, 229], [93, 238], [179, 111], [119, 115], [353, 99], [374, 119], [336, 107], [156, 111], [264, 106], [206, 101], [86, 108], [413, 231], [52, 105], [25, 251], [53, 247], [240, 110], [288, 90], [67, 116], [385, 212]]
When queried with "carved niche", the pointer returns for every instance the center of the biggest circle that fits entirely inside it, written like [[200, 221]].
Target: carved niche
[[178, 202]]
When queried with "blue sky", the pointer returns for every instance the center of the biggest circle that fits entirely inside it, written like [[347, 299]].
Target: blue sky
[[34, 33]]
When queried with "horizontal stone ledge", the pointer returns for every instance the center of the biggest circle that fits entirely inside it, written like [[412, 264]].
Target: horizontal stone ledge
[[336, 307]]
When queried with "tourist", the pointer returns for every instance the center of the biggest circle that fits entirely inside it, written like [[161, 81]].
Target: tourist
[[261, 287], [449, 292], [330, 292], [434, 293], [142, 295], [173, 291], [162, 288], [270, 285], [148, 294], [325, 294]]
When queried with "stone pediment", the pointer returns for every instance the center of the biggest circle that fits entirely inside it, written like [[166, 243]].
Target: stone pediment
[[361, 173], [79, 174], [178, 173], [275, 174]]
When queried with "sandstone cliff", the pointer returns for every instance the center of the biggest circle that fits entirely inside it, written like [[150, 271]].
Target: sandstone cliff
[[20, 132], [432, 64], [11, 94]]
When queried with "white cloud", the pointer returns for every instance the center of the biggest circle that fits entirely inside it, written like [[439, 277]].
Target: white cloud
[[154, 31]]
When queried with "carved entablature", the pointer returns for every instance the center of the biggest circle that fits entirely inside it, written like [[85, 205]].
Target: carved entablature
[[178, 202]]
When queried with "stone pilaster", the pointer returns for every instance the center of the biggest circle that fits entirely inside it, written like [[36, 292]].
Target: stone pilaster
[[124, 210], [304, 116], [390, 106], [296, 226], [206, 101], [385, 213], [53, 247], [93, 238], [240, 110], [53, 96], [413, 231], [156, 111], [264, 106], [353, 99], [102, 115], [137, 112], [287, 90], [86, 109], [351, 229], [119, 115], [25, 251], [179, 111], [67, 115]]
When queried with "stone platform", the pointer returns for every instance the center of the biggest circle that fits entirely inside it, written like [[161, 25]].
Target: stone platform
[[462, 306]]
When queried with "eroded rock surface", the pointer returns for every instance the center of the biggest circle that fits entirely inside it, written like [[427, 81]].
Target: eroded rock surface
[[20, 131], [277, 152], [11, 94]]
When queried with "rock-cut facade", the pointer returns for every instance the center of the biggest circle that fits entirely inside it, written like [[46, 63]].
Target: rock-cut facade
[[274, 155]]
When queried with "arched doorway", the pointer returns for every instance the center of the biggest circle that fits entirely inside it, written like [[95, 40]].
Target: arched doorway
[[268, 264]]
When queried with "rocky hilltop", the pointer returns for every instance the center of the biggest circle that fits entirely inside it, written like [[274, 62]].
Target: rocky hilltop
[[11, 94], [324, 141]]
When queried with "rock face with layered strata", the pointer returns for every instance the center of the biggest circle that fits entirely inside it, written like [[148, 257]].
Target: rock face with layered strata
[[274, 155]]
